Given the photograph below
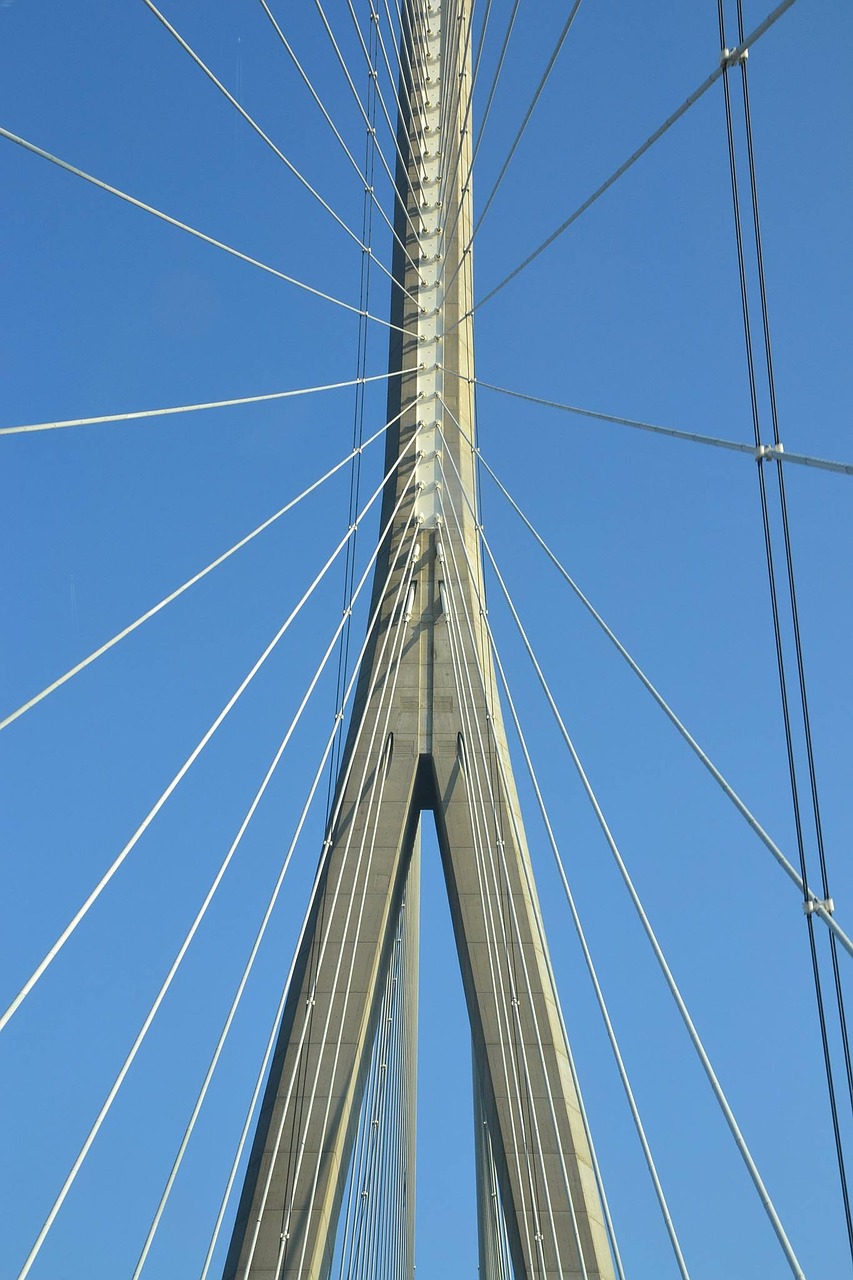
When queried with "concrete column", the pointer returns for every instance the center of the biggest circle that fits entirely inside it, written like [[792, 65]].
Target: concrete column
[[417, 741]]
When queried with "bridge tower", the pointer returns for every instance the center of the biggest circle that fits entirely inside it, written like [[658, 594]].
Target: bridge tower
[[426, 735]]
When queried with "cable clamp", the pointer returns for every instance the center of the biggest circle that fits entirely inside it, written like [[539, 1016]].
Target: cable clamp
[[767, 452], [733, 57], [811, 905]]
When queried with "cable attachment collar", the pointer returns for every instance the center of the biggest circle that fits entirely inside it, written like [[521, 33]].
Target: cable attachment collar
[[812, 904], [769, 452], [733, 57]]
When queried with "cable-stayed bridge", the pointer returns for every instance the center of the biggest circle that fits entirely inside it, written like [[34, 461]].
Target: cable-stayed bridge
[[422, 714]]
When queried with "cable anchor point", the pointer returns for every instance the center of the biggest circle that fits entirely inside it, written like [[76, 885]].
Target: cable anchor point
[[769, 452], [733, 57], [812, 904]]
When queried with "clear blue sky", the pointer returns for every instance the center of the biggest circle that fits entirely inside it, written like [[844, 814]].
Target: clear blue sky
[[634, 311]]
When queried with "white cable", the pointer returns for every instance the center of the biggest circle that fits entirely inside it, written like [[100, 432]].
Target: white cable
[[192, 408], [167, 982], [273, 898], [483, 122], [194, 754], [513, 913], [253, 124], [193, 231], [403, 160], [818, 907], [514, 1032], [588, 958], [528, 876], [179, 591], [369, 190], [324, 1040], [722, 1100], [338, 722], [734, 57], [370, 127], [736, 446]]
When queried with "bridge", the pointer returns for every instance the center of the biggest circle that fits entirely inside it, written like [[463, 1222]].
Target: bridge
[[394, 753]]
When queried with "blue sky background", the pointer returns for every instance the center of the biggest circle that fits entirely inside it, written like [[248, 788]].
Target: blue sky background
[[634, 311]]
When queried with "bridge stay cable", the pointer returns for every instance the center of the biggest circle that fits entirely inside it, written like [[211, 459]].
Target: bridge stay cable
[[694, 97], [599, 995], [818, 908], [500, 879], [176, 964], [121, 857], [727, 61], [337, 727], [139, 414], [546, 74], [806, 717], [185, 586], [265, 138], [369, 190], [337, 720], [397, 633], [456, 157], [774, 451], [695, 1039], [401, 199], [192, 231]]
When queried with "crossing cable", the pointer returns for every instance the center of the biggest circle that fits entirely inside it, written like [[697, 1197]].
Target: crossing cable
[[83, 911], [179, 591], [784, 506], [521, 130], [726, 62], [400, 197], [336, 729], [480, 593], [528, 878], [509, 946], [776, 452], [599, 995], [498, 986], [694, 97], [346, 614], [716, 1087], [817, 907], [253, 124], [789, 558], [369, 191], [170, 976], [394, 662], [193, 231]]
